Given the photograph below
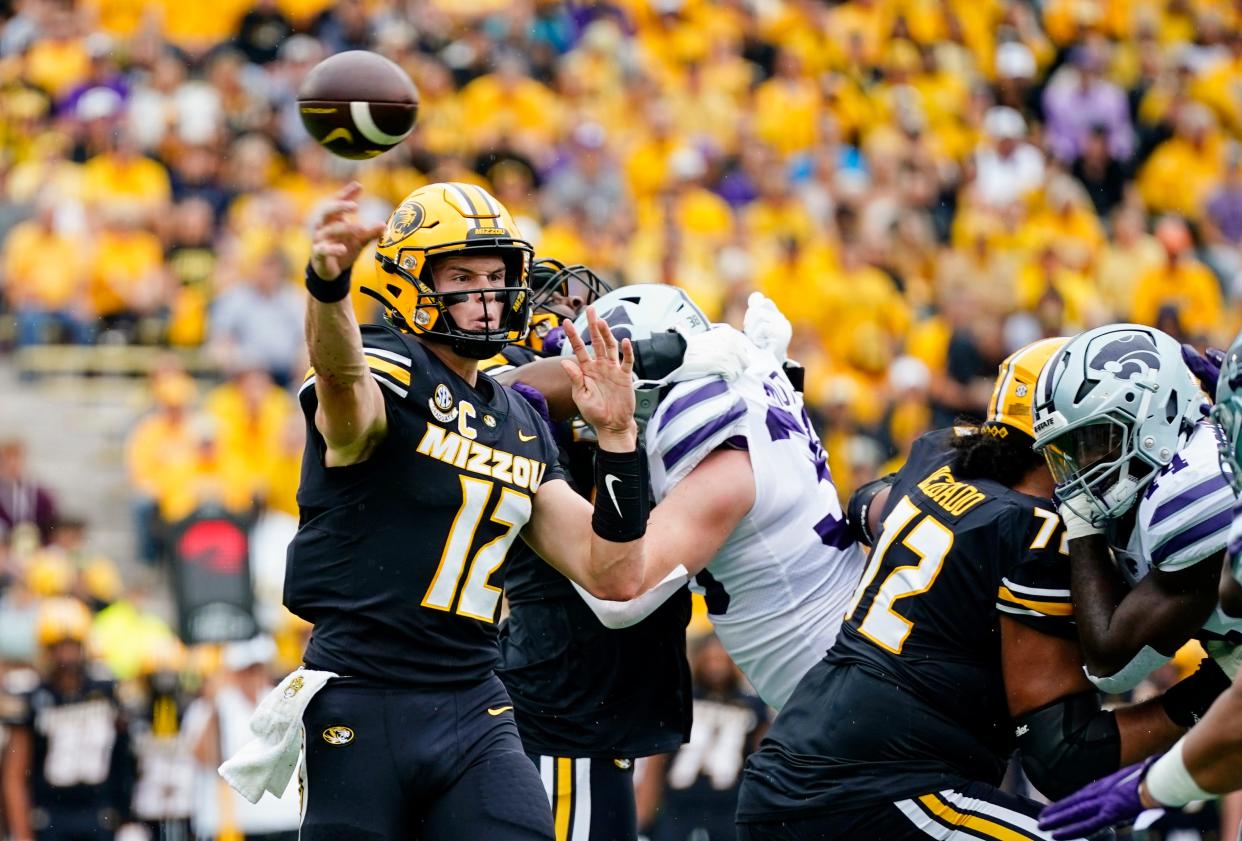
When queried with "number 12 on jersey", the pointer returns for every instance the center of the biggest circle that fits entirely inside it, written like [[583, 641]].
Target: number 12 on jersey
[[929, 541], [478, 599]]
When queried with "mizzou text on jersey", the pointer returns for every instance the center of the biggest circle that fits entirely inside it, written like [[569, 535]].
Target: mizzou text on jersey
[[399, 564]]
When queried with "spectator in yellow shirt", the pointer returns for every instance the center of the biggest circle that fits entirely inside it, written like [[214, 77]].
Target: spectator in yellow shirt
[[1181, 284], [127, 280], [787, 107], [251, 414], [210, 476], [509, 105], [57, 60], [1183, 170], [123, 174], [161, 439], [44, 279], [1130, 254]]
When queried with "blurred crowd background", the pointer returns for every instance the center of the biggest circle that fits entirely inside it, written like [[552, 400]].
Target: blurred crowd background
[[921, 185]]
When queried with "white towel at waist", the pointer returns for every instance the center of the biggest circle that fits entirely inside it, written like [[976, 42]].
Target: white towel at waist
[[267, 762]]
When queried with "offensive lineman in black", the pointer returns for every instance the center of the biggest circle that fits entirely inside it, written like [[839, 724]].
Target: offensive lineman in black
[[419, 475], [958, 647], [588, 700]]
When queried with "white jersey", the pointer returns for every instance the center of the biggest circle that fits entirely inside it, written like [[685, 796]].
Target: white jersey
[[1183, 517], [777, 589]]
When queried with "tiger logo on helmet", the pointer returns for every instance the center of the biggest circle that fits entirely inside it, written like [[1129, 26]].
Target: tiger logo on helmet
[[442, 219]]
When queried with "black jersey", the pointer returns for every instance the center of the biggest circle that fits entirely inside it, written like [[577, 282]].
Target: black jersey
[[398, 560], [578, 688], [702, 778], [911, 697], [81, 758]]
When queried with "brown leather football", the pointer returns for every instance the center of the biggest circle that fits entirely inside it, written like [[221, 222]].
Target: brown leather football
[[358, 104]]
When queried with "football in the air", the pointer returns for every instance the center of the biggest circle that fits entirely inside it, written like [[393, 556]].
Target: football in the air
[[358, 104]]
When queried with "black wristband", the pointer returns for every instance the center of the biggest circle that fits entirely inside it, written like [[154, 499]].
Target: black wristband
[[1188, 700], [327, 291], [621, 501], [858, 509]]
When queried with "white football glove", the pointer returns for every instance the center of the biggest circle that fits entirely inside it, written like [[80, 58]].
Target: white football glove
[[766, 326], [1076, 525], [720, 352]]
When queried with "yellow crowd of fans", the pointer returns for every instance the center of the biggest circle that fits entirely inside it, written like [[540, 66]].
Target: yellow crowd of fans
[[889, 171]]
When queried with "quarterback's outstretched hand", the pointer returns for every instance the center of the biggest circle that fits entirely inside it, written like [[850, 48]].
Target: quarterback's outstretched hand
[[603, 383], [766, 326], [1112, 800], [339, 238]]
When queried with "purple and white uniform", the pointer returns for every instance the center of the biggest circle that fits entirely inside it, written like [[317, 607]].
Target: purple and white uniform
[[777, 589], [1183, 518]]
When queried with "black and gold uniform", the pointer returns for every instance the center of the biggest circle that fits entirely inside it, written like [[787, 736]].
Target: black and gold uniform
[[589, 700], [81, 765], [399, 563], [903, 730]]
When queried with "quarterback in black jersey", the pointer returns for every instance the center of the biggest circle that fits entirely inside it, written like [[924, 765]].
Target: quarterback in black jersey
[[959, 646], [588, 700], [419, 475]]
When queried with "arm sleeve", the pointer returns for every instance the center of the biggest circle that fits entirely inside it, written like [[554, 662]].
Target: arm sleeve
[[1034, 586], [617, 615]]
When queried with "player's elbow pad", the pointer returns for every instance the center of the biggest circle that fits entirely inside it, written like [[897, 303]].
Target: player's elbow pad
[[1068, 743]]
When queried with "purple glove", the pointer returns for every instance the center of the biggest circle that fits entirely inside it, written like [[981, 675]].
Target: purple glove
[[535, 398], [1205, 366], [1112, 800], [553, 341]]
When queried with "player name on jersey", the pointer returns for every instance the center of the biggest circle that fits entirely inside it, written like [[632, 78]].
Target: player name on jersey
[[953, 496], [464, 454]]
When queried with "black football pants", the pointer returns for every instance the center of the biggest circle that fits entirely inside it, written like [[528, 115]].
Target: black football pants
[[403, 764]]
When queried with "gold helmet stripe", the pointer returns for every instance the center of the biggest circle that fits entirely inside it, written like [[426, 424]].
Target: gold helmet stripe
[[1030, 359]]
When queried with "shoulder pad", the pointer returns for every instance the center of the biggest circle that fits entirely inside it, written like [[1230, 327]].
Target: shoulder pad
[[1187, 510], [692, 420]]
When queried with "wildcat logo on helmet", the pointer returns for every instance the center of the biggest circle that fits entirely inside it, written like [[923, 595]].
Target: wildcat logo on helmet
[[1127, 357], [441, 404], [405, 220]]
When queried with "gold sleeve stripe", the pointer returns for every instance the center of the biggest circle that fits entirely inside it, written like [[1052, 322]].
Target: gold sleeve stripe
[[398, 373], [979, 825], [310, 372], [564, 796], [497, 361], [1045, 607]]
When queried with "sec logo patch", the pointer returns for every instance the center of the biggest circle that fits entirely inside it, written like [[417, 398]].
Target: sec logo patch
[[338, 735]]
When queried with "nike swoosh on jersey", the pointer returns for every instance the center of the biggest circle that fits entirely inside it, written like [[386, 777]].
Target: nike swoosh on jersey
[[609, 479], [522, 436], [499, 710]]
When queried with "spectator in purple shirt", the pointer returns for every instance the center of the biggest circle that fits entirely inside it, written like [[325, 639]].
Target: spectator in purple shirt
[[1221, 227], [1079, 98], [22, 500]]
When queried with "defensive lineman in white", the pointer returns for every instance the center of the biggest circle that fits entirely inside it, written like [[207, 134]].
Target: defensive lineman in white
[[773, 556]]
